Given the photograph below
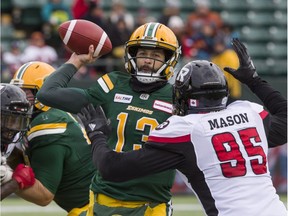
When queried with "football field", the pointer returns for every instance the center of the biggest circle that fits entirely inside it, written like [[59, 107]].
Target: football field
[[183, 206]]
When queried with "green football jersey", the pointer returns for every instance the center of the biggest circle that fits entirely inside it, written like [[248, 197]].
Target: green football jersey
[[60, 156], [133, 115]]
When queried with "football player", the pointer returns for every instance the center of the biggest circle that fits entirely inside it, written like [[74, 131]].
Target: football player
[[15, 117], [222, 150], [135, 102], [57, 147]]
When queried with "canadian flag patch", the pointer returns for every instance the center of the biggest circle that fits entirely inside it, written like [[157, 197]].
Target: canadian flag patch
[[193, 103]]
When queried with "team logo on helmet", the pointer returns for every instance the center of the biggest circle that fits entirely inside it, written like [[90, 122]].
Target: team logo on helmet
[[162, 125]]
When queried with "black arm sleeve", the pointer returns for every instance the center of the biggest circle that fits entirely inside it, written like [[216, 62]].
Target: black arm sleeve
[[119, 167], [277, 106], [54, 92]]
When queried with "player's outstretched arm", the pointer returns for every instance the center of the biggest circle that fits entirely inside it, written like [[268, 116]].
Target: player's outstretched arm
[[127, 165], [55, 92], [271, 98]]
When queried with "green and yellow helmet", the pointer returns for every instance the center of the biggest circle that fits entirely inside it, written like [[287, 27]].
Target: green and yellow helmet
[[31, 75], [153, 35]]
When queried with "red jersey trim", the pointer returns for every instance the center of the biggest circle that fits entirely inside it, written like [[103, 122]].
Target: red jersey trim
[[263, 114], [180, 139]]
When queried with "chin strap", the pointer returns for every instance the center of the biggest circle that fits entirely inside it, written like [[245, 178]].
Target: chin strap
[[145, 87]]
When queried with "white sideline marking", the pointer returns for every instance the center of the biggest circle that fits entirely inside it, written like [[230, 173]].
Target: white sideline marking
[[25, 208]]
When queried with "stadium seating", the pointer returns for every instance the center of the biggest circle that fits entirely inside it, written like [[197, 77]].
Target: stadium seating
[[277, 50], [257, 5], [231, 5], [31, 18], [28, 3], [270, 66], [236, 19], [262, 24], [6, 6], [278, 33], [257, 34]]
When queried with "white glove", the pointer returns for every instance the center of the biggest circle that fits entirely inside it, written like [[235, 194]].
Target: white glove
[[5, 174], [5, 171]]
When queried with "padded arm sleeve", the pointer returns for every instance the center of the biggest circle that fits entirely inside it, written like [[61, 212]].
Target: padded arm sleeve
[[119, 167], [277, 106], [55, 93]]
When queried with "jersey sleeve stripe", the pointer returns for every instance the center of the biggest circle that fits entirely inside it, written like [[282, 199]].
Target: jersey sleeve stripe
[[45, 132], [47, 126], [103, 85], [175, 140], [108, 81], [263, 114]]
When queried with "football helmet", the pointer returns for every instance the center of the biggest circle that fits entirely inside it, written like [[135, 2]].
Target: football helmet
[[152, 35], [200, 87], [16, 112], [31, 76]]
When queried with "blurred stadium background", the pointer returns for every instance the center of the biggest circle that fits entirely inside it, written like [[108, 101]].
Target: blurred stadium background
[[261, 24]]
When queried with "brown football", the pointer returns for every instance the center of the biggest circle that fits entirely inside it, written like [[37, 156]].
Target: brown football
[[79, 34]]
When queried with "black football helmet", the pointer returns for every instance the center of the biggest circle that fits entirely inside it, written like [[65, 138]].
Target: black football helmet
[[16, 112], [200, 87]]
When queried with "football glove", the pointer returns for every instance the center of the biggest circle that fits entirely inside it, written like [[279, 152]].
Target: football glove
[[5, 171], [24, 175], [246, 73], [94, 121], [5, 174]]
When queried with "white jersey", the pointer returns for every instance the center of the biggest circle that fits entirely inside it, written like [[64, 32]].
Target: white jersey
[[226, 163]]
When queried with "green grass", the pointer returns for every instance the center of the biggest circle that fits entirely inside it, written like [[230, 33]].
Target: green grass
[[13, 206]]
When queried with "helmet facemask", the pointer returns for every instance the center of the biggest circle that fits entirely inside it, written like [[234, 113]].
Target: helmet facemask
[[16, 112], [152, 36], [149, 73], [13, 123]]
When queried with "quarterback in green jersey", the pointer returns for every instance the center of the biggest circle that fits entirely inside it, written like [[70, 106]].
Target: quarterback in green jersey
[[57, 147], [135, 102]]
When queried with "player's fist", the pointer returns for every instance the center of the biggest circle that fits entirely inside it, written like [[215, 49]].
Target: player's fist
[[24, 175]]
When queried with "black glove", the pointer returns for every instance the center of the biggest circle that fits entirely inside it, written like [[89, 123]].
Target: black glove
[[94, 120], [246, 73]]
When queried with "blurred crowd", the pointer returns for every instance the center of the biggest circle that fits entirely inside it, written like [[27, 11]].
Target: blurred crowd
[[202, 34]]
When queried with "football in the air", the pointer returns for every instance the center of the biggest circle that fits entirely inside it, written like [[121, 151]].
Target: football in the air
[[79, 34]]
